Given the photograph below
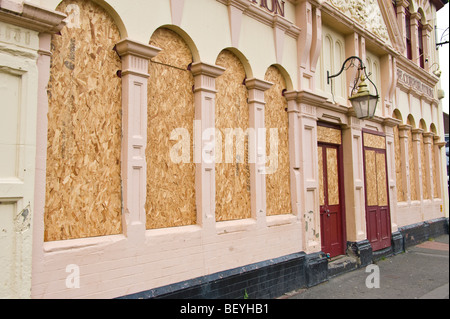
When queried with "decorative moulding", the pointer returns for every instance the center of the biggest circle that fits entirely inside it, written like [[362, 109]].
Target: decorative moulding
[[141, 50], [306, 97], [205, 75], [366, 13], [31, 16], [200, 68], [267, 18], [258, 84], [135, 56], [391, 122], [331, 14]]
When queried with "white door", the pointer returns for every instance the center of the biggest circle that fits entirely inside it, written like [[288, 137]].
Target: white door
[[17, 162]]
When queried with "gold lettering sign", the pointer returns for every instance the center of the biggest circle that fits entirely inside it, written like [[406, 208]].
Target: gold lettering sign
[[273, 6]]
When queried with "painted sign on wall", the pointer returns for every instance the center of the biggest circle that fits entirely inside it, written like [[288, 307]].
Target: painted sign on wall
[[273, 6]]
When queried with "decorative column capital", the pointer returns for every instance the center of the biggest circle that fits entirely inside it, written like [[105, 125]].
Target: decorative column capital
[[291, 95], [135, 56], [428, 137], [205, 76], [200, 68], [415, 18], [427, 28], [404, 129], [438, 142], [256, 89], [258, 84], [402, 3], [391, 122], [417, 134], [129, 47]]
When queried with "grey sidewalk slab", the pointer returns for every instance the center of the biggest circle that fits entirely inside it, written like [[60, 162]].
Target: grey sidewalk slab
[[421, 272]]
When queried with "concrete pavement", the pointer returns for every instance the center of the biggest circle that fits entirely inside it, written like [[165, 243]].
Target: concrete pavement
[[420, 273]]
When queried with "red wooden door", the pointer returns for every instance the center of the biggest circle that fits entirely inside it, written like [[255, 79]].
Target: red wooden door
[[331, 201], [378, 217]]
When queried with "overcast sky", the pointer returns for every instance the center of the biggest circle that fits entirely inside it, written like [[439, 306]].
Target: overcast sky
[[442, 24]]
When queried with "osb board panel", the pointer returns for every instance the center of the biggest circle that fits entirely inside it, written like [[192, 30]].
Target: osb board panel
[[170, 185], [175, 52], [398, 166], [83, 194], [371, 178], [329, 135], [321, 177], [374, 141], [376, 178], [381, 180], [434, 168], [332, 176], [425, 169], [232, 179], [278, 184], [412, 167]]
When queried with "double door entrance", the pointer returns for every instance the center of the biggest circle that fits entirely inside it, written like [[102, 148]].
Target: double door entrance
[[332, 196]]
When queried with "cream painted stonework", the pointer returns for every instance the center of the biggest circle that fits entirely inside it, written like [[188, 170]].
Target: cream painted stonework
[[313, 37]]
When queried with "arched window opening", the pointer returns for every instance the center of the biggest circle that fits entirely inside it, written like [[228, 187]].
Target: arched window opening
[[276, 118], [233, 198], [83, 193], [170, 169]]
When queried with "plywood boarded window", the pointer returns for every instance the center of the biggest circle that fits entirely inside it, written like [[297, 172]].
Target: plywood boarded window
[[329, 135], [425, 169], [434, 168], [371, 181], [376, 172], [83, 193], [278, 184], [381, 180], [232, 114], [398, 166], [412, 167], [332, 176], [329, 162], [170, 184], [375, 141], [376, 178], [321, 176], [331, 171]]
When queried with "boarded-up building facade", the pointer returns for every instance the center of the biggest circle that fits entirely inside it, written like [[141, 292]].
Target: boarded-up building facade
[[183, 141]]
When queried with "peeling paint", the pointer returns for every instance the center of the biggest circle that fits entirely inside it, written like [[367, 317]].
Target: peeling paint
[[22, 222]]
